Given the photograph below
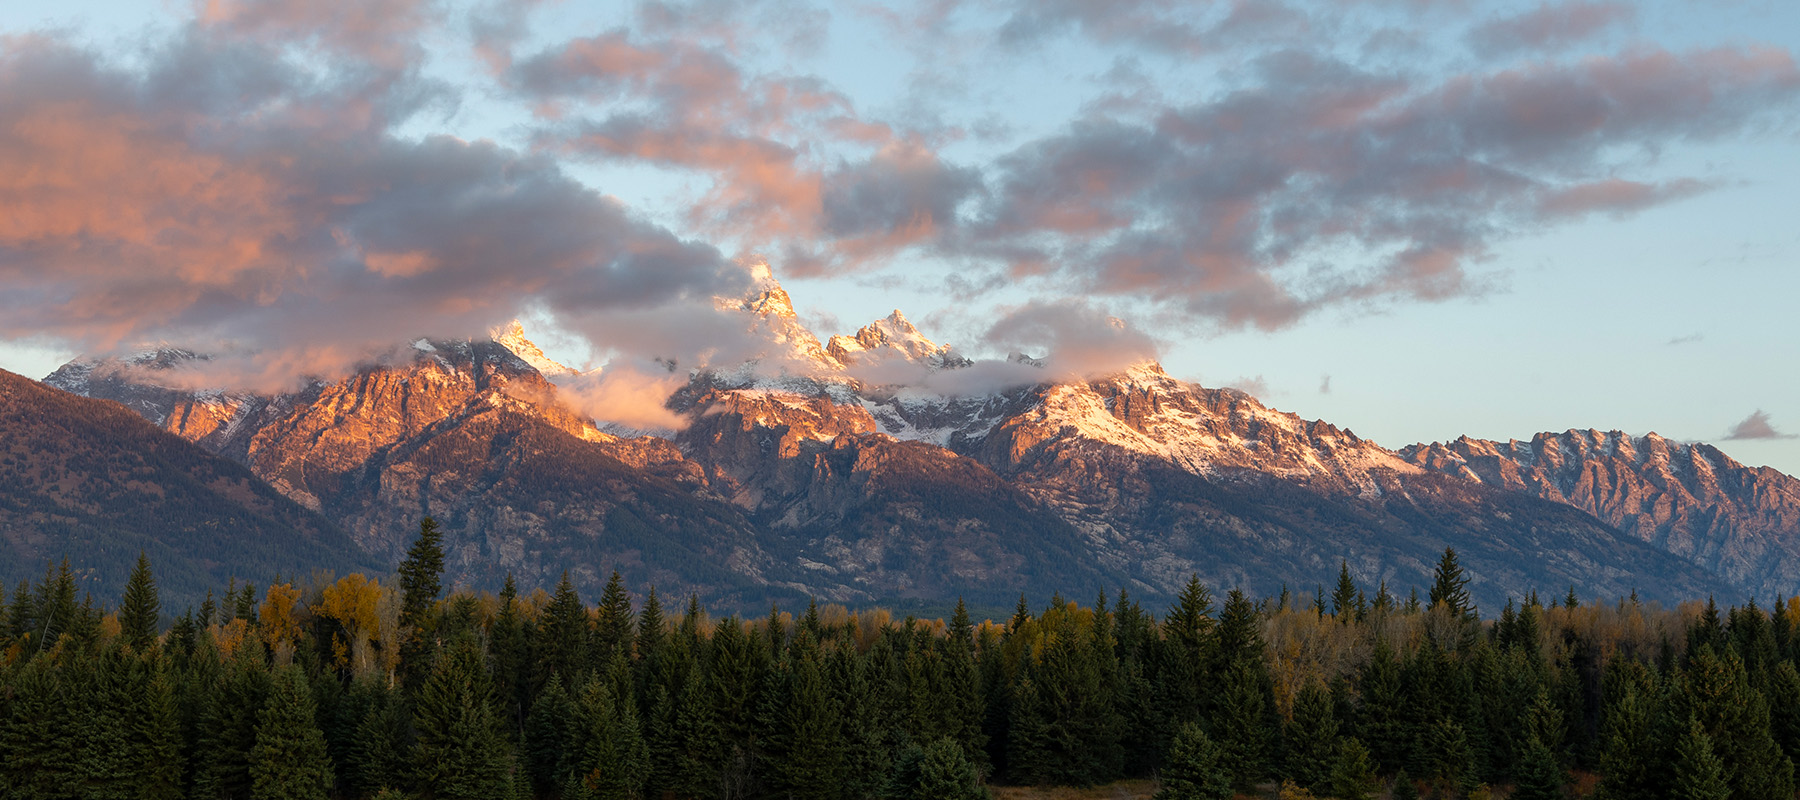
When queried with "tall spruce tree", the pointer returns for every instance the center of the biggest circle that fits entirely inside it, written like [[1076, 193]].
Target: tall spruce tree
[[1353, 772], [1343, 598], [1450, 585], [139, 610], [1311, 739], [611, 762], [1699, 774], [421, 576], [460, 753], [289, 760]]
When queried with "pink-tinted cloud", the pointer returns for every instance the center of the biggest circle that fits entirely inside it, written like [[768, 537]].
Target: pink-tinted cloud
[[294, 236], [1756, 426], [1549, 27], [628, 393], [1072, 338]]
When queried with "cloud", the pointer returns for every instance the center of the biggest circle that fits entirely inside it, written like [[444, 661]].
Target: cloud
[[1253, 385], [1688, 339], [221, 197], [1549, 27], [1322, 183], [1756, 426], [629, 393], [1072, 337]]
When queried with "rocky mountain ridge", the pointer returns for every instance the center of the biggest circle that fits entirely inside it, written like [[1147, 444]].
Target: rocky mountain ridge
[[807, 471], [1687, 498]]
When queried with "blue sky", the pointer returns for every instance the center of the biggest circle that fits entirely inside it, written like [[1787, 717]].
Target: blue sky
[[1415, 219]]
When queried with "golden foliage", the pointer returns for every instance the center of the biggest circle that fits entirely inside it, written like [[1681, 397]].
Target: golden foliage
[[277, 617]]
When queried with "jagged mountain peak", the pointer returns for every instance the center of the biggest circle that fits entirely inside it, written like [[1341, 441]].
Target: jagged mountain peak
[[512, 337], [890, 337]]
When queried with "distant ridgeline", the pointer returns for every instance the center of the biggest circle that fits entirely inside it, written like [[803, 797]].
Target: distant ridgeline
[[358, 688]]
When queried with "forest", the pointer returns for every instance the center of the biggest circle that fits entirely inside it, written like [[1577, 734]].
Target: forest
[[392, 687]]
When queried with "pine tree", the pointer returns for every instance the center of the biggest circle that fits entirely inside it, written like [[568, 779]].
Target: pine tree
[[420, 584], [549, 734], [227, 727], [1450, 585], [613, 629], [460, 752], [1353, 772], [508, 647], [1699, 773], [612, 762], [1404, 787], [1343, 598], [376, 757], [1312, 739], [1195, 768], [1540, 776], [139, 610], [289, 760], [562, 635], [939, 771]]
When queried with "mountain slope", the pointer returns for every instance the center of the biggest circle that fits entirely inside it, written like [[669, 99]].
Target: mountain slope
[[884, 466], [94, 481], [1689, 499]]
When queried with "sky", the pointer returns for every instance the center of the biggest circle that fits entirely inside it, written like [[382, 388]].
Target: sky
[[1418, 219]]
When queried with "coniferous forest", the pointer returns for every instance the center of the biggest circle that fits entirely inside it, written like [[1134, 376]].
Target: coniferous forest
[[356, 688]]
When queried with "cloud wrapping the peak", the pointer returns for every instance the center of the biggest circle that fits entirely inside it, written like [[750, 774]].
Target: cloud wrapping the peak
[[1072, 337]]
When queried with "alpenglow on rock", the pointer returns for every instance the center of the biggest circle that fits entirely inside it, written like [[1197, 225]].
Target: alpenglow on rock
[[848, 472]]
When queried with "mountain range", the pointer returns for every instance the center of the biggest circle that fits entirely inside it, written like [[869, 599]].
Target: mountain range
[[881, 466]]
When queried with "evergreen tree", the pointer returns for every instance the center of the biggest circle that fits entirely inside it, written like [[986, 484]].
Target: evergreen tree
[[1699, 773], [460, 752], [38, 731], [939, 771], [227, 727], [1540, 775], [1195, 769], [1404, 787], [612, 762], [563, 632], [1343, 598], [376, 756], [139, 610], [549, 734], [289, 760], [507, 643], [1353, 772], [420, 584], [1311, 739], [613, 629], [1450, 585]]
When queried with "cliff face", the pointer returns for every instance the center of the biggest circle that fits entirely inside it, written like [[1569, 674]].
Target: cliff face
[[1688, 499]]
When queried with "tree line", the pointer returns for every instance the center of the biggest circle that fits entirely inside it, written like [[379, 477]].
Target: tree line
[[359, 688]]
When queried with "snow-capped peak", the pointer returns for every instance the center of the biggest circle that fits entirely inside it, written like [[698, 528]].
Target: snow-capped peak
[[512, 337], [893, 336]]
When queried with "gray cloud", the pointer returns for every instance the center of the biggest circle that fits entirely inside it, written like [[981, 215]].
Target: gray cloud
[[1322, 183], [1549, 27], [221, 197], [1072, 337], [1756, 426]]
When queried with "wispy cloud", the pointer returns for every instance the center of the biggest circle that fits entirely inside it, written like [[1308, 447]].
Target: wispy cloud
[[1756, 426]]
